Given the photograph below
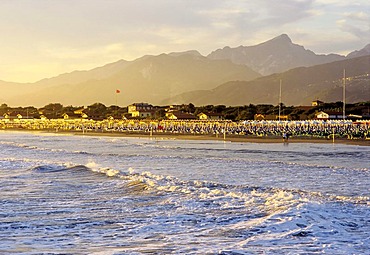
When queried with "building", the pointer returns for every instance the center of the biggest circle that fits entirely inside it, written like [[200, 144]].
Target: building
[[317, 103], [141, 110], [329, 115], [270, 117], [71, 116], [177, 115], [210, 116], [16, 115], [173, 108], [81, 112], [43, 117], [354, 117]]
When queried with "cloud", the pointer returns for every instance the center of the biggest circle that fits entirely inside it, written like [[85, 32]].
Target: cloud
[[283, 12], [360, 31], [361, 16], [356, 24]]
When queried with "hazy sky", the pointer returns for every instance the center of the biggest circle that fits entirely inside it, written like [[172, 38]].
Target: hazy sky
[[44, 38]]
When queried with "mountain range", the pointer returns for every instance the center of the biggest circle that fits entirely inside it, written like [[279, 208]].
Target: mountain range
[[299, 86], [230, 76]]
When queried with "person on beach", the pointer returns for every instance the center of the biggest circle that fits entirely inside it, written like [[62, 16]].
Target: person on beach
[[285, 137]]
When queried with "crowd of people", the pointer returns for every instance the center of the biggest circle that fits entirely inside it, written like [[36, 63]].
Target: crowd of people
[[285, 129]]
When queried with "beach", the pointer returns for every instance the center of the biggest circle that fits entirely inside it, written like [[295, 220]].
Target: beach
[[219, 137], [228, 138]]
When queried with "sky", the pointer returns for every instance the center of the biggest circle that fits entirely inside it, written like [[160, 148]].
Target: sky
[[44, 38]]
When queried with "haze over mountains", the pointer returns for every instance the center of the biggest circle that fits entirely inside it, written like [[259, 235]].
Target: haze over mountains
[[230, 76]]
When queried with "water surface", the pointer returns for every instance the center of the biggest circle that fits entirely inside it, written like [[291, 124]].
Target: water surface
[[64, 194]]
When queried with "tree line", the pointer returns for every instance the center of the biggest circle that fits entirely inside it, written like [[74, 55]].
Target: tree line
[[234, 113]]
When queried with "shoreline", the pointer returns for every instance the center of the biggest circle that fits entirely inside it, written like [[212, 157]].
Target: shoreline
[[205, 137], [232, 138]]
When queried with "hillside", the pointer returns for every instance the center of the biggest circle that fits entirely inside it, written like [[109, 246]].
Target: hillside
[[299, 86]]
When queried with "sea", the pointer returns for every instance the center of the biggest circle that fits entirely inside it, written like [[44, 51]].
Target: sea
[[75, 194]]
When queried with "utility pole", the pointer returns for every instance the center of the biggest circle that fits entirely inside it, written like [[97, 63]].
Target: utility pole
[[280, 101], [117, 92], [344, 94]]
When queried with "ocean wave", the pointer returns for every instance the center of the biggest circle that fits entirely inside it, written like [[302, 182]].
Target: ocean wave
[[271, 198], [317, 166], [11, 163], [52, 168]]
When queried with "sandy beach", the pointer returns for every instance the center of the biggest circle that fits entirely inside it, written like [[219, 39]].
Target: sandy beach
[[228, 138], [161, 135]]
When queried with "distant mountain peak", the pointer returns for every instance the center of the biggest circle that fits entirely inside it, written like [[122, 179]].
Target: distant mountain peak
[[281, 38], [276, 55], [189, 52]]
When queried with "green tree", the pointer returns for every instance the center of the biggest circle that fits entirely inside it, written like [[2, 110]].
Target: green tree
[[4, 109], [70, 109], [54, 110], [30, 111], [189, 108], [219, 108], [4, 106], [97, 110], [160, 114]]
